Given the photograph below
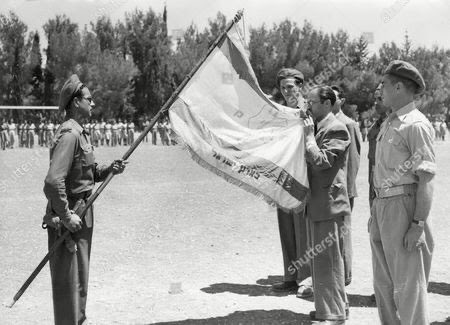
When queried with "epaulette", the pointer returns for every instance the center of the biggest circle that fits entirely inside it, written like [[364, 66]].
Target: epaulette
[[67, 126]]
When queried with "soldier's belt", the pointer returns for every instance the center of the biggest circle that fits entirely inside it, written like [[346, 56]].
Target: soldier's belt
[[51, 219], [83, 195], [382, 193]]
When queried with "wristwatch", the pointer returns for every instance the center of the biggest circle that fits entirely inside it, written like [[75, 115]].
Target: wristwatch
[[420, 223]]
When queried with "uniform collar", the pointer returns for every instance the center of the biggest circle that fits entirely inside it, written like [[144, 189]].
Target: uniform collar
[[405, 109], [325, 120], [77, 126]]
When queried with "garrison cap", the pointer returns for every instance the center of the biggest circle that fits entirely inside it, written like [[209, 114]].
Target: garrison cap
[[286, 73], [70, 87], [406, 70]]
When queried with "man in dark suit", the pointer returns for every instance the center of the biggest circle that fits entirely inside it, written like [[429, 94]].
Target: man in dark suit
[[326, 152], [351, 169]]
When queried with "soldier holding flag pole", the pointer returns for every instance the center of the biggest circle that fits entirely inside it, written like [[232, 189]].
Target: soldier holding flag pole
[[68, 184]]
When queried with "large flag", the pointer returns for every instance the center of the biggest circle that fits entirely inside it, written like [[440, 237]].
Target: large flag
[[233, 129]]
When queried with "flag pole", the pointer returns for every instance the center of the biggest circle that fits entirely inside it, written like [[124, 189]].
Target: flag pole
[[127, 154]]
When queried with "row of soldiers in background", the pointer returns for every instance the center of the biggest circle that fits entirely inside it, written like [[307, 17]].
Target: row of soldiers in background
[[24, 131], [163, 128], [109, 133]]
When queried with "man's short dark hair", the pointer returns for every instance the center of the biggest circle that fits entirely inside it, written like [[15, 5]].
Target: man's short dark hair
[[325, 92], [286, 73], [339, 90]]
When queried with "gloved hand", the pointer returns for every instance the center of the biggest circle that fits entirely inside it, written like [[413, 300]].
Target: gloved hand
[[73, 223], [118, 166]]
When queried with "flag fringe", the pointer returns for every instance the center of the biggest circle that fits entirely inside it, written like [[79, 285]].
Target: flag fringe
[[239, 183]]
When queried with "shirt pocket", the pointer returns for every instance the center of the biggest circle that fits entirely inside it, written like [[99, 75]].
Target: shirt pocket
[[397, 152], [87, 156]]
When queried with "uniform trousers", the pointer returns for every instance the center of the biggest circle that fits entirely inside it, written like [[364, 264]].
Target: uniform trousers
[[294, 243], [400, 277], [154, 136], [70, 275], [30, 139], [327, 265], [12, 136], [4, 139], [41, 138]]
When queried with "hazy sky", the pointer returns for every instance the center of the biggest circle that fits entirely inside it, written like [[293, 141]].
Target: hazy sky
[[427, 21]]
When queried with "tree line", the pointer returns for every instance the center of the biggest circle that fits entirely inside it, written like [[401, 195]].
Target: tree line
[[132, 66]]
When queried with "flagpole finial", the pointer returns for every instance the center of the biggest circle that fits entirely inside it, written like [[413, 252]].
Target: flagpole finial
[[238, 16]]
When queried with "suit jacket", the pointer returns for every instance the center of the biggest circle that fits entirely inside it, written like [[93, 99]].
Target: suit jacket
[[327, 177], [354, 152]]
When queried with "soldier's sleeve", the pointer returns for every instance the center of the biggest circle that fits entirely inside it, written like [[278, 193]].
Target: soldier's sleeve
[[60, 165], [420, 142], [332, 148], [101, 172]]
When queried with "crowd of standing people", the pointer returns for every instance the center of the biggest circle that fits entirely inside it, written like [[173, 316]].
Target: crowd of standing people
[[112, 132], [23, 133]]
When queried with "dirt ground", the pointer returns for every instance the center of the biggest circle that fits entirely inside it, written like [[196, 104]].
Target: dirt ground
[[174, 244]]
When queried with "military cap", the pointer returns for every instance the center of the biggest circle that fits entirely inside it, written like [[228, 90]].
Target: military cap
[[406, 70], [70, 87], [286, 73]]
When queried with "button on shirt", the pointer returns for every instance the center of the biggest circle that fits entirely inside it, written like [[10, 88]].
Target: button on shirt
[[72, 167], [404, 147]]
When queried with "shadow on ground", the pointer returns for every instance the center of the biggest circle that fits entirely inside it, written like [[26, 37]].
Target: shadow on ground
[[263, 287], [440, 288], [263, 317]]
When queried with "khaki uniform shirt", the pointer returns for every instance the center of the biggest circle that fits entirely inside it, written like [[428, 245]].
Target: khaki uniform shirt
[[404, 146], [73, 170]]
